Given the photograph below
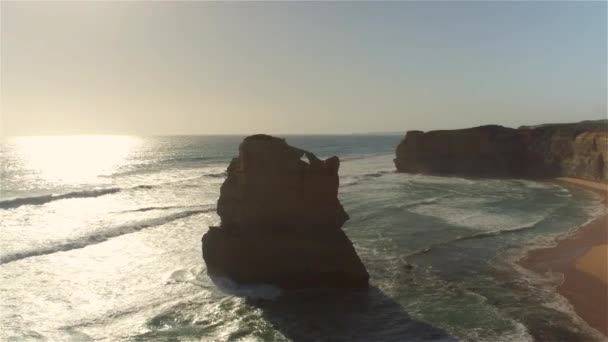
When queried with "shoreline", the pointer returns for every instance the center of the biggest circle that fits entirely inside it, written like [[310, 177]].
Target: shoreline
[[582, 258]]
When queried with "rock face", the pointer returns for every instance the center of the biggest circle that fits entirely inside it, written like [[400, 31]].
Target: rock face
[[567, 150], [281, 221]]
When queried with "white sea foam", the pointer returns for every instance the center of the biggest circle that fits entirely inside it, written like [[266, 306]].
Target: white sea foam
[[536, 184], [545, 285], [428, 179], [99, 236], [506, 230], [114, 293], [519, 334], [263, 291], [466, 212], [424, 201], [362, 156], [349, 181]]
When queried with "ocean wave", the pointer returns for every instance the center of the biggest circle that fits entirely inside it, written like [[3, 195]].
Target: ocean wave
[[221, 174], [43, 199], [439, 180], [425, 201], [396, 208], [545, 284], [136, 171], [537, 184], [481, 213], [144, 209], [164, 164], [263, 291], [349, 182], [142, 187], [377, 174], [353, 180], [180, 159], [99, 237], [364, 156], [480, 235], [500, 231]]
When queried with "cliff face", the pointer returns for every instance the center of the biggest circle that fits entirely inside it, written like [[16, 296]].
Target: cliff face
[[281, 221], [270, 186], [570, 150], [479, 151], [579, 151]]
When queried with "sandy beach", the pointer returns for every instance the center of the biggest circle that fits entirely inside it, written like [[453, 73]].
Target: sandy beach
[[583, 260]]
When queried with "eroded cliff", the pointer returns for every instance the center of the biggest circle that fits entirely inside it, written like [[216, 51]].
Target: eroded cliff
[[569, 150], [281, 221]]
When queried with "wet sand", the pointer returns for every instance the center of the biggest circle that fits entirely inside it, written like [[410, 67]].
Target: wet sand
[[583, 260]]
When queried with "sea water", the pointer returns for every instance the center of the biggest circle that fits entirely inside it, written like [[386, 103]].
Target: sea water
[[100, 240]]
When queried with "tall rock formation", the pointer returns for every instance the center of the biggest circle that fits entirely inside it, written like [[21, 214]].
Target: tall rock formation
[[569, 150], [281, 221]]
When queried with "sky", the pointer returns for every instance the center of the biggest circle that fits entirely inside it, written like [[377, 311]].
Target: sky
[[297, 68]]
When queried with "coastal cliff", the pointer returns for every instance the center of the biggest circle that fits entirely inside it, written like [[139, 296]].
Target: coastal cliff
[[555, 150], [281, 221]]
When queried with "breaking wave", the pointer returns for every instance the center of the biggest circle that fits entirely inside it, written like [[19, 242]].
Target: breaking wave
[[187, 159], [40, 200], [354, 180], [144, 209], [480, 235], [43, 199], [377, 174], [221, 174], [142, 187], [497, 232], [165, 164], [349, 182], [99, 237], [425, 201], [363, 156], [263, 291]]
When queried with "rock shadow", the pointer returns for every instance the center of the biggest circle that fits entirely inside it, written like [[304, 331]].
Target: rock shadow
[[354, 315]]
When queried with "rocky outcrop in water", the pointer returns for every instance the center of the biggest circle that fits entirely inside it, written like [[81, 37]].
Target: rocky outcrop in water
[[281, 221], [555, 150]]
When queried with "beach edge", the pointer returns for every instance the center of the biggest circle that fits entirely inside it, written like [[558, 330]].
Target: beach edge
[[581, 258]]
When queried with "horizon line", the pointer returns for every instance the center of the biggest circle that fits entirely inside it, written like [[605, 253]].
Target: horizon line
[[377, 133]]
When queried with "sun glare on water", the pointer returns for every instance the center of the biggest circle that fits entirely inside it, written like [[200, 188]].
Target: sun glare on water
[[74, 158]]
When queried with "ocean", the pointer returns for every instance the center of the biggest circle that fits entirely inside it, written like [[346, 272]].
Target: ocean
[[100, 239]]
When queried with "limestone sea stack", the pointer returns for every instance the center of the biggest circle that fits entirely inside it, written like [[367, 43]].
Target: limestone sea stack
[[577, 150], [281, 221]]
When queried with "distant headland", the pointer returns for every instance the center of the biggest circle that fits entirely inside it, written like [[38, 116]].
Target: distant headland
[[577, 150]]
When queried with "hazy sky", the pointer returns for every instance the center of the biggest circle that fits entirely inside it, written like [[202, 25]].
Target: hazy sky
[[215, 68]]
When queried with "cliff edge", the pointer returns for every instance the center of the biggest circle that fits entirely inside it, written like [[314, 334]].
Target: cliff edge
[[281, 221], [577, 150]]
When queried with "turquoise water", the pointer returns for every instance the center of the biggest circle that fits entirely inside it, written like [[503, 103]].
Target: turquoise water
[[100, 240]]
